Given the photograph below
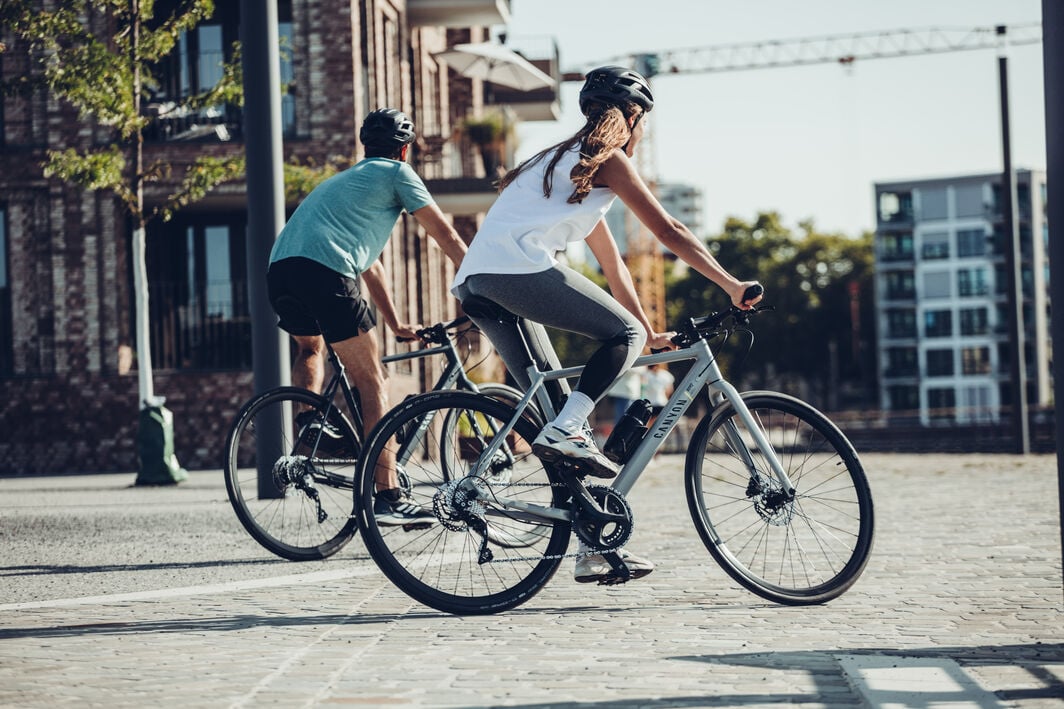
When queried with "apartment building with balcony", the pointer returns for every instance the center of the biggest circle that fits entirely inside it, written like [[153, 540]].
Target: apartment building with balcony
[[941, 297], [67, 367]]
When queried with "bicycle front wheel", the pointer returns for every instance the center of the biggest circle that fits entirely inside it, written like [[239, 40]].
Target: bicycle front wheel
[[481, 548], [802, 547], [289, 483]]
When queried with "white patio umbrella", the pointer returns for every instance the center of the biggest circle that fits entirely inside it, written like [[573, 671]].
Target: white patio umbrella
[[495, 63]]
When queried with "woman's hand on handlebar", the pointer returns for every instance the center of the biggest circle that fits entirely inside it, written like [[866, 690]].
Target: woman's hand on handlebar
[[743, 298], [661, 341]]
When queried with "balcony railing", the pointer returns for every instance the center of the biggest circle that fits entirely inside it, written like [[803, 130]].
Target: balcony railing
[[208, 329]]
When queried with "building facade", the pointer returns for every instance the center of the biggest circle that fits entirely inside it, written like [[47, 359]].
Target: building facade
[[67, 365], [942, 298]]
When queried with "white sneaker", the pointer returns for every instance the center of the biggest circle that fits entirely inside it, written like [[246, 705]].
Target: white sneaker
[[552, 444], [596, 568]]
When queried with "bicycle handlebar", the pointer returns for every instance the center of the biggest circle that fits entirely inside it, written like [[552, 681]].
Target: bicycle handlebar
[[436, 334]]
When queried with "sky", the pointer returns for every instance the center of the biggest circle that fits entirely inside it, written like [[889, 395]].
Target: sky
[[807, 142]]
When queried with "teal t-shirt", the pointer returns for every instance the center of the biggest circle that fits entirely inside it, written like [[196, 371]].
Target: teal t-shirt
[[345, 222]]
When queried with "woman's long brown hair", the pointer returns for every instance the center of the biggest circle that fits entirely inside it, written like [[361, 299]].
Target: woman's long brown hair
[[605, 130]]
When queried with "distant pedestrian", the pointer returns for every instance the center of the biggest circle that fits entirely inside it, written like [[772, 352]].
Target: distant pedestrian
[[624, 391], [657, 387]]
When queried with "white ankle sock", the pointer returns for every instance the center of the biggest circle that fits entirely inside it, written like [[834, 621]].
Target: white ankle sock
[[575, 412]]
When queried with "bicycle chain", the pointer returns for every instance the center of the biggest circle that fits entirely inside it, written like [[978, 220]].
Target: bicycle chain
[[540, 557]]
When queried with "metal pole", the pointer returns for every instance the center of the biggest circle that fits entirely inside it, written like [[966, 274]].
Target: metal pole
[[1053, 63], [1013, 259], [265, 185]]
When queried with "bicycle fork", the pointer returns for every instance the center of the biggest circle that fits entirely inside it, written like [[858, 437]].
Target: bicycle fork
[[786, 492]]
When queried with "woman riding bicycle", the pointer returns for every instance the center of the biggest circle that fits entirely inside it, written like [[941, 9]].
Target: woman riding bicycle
[[558, 196]]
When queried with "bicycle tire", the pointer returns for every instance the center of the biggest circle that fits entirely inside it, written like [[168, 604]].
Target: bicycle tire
[[286, 519], [805, 551], [438, 565], [500, 392]]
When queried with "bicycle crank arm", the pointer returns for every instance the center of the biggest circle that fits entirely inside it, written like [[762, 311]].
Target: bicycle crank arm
[[621, 572], [588, 504]]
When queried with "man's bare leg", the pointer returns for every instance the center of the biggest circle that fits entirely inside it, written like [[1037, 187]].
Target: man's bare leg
[[308, 370], [361, 358]]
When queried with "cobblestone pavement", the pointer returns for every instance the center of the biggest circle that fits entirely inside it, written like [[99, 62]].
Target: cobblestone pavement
[[135, 597]]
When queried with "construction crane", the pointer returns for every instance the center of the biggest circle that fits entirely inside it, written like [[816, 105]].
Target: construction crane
[[643, 256]]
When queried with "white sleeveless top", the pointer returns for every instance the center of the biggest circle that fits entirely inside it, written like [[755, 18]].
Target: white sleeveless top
[[523, 230]]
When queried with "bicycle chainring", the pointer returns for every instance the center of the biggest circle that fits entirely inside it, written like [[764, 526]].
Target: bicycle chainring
[[604, 536]]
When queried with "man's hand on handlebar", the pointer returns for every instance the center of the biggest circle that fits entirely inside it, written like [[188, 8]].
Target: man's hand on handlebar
[[404, 332]]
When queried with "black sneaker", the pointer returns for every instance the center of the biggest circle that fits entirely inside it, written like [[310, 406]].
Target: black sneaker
[[395, 508], [314, 431]]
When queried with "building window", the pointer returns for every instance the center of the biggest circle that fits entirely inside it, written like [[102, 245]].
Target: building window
[[936, 284], [6, 313], [971, 242], [195, 66], [896, 247], [901, 322], [972, 282], [938, 323], [936, 246], [895, 207], [901, 362], [934, 203], [975, 400], [903, 398], [900, 285], [968, 200], [941, 403], [975, 360], [199, 314], [288, 98], [974, 321], [939, 363]]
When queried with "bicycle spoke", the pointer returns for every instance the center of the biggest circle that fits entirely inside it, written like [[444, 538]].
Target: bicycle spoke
[[804, 547]]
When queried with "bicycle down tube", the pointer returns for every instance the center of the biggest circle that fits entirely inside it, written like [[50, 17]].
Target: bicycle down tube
[[704, 372]]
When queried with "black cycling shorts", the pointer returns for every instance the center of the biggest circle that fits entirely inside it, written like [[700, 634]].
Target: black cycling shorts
[[311, 299]]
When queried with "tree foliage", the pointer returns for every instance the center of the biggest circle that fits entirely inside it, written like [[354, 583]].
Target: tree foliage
[[105, 69], [817, 283]]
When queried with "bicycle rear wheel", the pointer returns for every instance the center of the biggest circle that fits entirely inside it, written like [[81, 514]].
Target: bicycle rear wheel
[[798, 550], [289, 484], [475, 555]]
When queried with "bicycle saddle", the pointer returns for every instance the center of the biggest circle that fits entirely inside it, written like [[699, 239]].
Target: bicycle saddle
[[480, 307]]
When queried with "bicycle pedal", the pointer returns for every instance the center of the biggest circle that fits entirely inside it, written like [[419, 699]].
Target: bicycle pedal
[[417, 526], [614, 580]]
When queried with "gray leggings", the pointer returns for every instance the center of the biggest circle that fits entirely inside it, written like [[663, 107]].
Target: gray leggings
[[561, 298]]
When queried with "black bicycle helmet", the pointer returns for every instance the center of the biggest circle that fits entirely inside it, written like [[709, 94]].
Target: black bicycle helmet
[[386, 128], [615, 86]]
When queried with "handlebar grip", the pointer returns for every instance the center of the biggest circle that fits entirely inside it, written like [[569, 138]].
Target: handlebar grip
[[753, 292]]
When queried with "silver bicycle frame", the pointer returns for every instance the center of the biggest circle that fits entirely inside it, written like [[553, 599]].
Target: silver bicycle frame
[[704, 372]]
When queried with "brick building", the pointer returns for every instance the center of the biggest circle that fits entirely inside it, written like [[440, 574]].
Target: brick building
[[68, 385]]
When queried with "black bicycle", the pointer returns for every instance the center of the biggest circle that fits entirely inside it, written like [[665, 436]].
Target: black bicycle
[[291, 454]]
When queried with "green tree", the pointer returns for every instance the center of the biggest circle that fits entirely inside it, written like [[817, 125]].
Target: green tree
[[817, 283], [105, 75]]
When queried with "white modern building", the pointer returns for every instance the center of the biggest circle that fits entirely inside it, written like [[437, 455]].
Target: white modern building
[[941, 297]]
